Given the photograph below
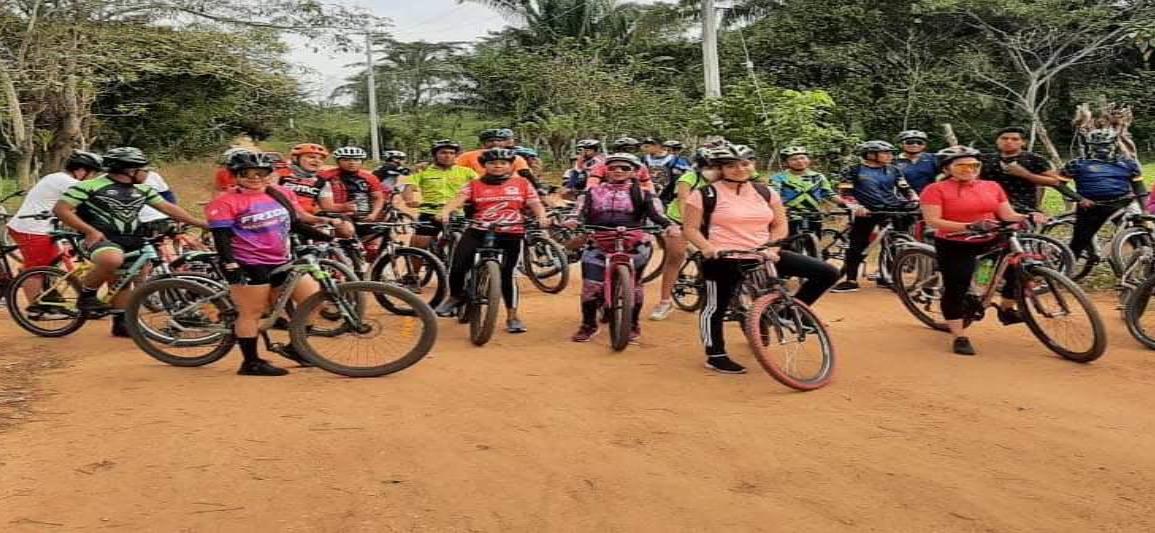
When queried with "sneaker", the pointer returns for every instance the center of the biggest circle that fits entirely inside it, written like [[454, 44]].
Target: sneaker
[[662, 310], [448, 308], [846, 286], [585, 333], [636, 335], [724, 365], [786, 320], [260, 367], [515, 326], [91, 303], [962, 346], [281, 323], [119, 330], [1010, 316]]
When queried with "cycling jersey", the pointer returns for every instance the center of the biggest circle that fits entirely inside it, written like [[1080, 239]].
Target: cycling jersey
[[472, 159], [357, 188], [741, 218], [874, 188], [439, 185], [308, 186], [802, 192], [695, 181], [965, 202], [502, 202], [260, 225], [920, 171], [40, 198], [1103, 180], [1023, 194], [112, 207], [619, 204]]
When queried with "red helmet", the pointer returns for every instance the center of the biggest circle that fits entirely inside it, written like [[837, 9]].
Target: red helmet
[[308, 148]]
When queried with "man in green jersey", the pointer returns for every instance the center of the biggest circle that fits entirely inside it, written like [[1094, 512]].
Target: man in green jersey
[[803, 190], [432, 188], [107, 211]]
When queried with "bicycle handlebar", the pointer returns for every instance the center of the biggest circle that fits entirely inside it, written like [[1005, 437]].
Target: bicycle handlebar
[[622, 229]]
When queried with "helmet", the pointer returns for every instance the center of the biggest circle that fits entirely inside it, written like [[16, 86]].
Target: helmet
[[391, 155], [308, 148], [674, 145], [714, 141], [629, 159], [350, 152], [526, 152], [729, 152], [625, 141], [82, 159], [495, 134], [1100, 144], [870, 147], [122, 158], [912, 135], [651, 140], [791, 151], [244, 159], [589, 144], [225, 156], [946, 155], [438, 146], [497, 154], [1101, 136]]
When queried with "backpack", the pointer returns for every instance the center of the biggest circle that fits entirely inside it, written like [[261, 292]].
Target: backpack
[[710, 202]]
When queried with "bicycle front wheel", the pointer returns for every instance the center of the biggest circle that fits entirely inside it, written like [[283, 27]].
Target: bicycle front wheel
[[790, 342], [363, 343], [918, 283], [484, 302], [414, 269], [689, 287], [1139, 314], [1061, 315], [192, 327], [546, 264], [621, 307], [43, 301]]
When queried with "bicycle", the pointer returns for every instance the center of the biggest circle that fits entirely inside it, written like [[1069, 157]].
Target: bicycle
[[619, 289], [919, 287], [777, 324], [544, 261], [9, 251], [1063, 225], [483, 284], [411, 268], [322, 329]]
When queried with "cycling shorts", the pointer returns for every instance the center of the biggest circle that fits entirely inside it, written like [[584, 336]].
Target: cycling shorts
[[264, 275], [120, 243], [37, 250]]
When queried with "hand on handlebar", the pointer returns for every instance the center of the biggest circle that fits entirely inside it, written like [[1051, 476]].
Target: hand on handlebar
[[1038, 217], [673, 231], [571, 223], [709, 252], [544, 222], [983, 225], [1086, 204], [93, 237]]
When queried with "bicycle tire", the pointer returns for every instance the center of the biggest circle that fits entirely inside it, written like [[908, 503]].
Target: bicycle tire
[[1137, 305], [1064, 224], [153, 343], [621, 309], [1118, 257], [1060, 257], [433, 268], [1054, 278], [552, 279], [657, 258], [52, 276], [688, 288], [917, 299], [759, 325], [485, 303], [299, 329]]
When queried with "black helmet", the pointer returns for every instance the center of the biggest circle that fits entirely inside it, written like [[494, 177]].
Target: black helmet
[[870, 147], [624, 142], [910, 135], [442, 145], [629, 159], [124, 158], [243, 159], [81, 159], [947, 155], [589, 144], [497, 154]]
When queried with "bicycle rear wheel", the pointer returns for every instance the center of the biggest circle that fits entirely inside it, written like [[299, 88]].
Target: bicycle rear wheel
[[688, 289], [1062, 228], [790, 342], [368, 343], [918, 283], [1061, 315], [414, 269], [621, 307], [485, 302], [657, 261], [1140, 314], [1051, 251], [52, 311], [546, 264], [194, 327]]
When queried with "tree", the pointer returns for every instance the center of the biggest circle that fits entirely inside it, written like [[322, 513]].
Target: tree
[[415, 73]]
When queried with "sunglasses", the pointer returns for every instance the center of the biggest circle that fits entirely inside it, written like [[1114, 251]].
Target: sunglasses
[[914, 141], [620, 168], [968, 166]]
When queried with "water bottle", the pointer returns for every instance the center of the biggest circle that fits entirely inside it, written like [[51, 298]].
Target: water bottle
[[985, 271]]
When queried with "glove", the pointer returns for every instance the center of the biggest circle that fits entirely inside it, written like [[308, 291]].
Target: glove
[[983, 225], [234, 275]]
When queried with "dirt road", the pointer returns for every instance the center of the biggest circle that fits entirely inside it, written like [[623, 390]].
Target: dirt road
[[534, 433]]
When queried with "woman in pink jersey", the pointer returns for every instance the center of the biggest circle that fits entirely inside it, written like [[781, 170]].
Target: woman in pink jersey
[[251, 224], [743, 218]]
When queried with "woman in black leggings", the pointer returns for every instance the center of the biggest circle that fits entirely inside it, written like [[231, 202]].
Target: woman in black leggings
[[955, 205]]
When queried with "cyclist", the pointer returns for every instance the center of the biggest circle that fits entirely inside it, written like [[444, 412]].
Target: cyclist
[[107, 211], [392, 169], [301, 177], [665, 167], [874, 184], [803, 190], [956, 204], [744, 215], [223, 179], [589, 156], [352, 190], [490, 139], [34, 237], [1020, 172], [618, 201], [250, 225], [429, 190], [498, 196], [627, 145], [918, 166], [1105, 182]]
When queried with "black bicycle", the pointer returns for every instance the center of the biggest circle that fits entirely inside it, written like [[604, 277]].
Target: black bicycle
[[483, 285]]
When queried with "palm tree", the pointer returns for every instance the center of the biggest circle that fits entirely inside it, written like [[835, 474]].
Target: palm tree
[[545, 22], [409, 75]]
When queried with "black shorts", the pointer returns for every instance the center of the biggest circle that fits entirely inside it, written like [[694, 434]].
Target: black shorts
[[432, 226], [123, 243], [263, 275]]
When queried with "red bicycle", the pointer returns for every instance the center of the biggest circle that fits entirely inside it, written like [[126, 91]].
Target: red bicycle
[[619, 287]]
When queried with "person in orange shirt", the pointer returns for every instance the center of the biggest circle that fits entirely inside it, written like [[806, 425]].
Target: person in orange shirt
[[494, 138]]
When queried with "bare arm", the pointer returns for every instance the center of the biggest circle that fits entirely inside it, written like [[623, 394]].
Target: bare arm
[[378, 205], [692, 229], [453, 205], [933, 216], [178, 213], [67, 214]]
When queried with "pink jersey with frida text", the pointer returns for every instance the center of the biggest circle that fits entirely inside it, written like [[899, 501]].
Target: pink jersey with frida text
[[260, 225]]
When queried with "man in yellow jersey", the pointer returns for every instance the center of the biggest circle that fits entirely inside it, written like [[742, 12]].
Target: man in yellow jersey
[[430, 189]]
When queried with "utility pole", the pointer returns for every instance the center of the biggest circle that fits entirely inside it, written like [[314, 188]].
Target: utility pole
[[710, 49], [374, 129]]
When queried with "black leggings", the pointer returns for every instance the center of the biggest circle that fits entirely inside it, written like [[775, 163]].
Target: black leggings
[[957, 262], [1088, 222], [860, 232], [722, 277], [470, 241]]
